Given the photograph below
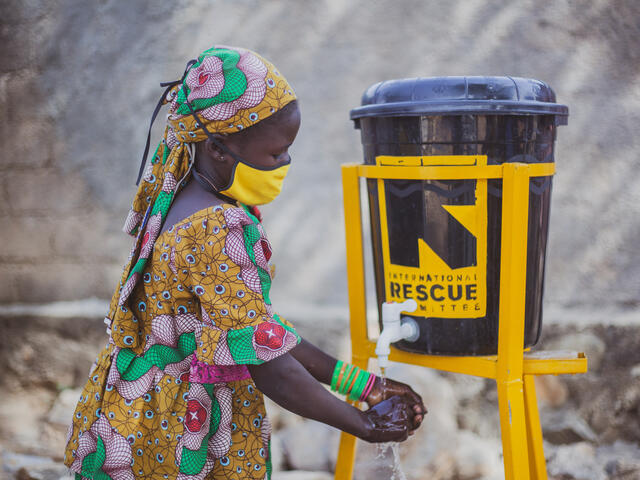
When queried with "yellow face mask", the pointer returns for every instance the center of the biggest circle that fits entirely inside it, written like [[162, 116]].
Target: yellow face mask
[[254, 186]]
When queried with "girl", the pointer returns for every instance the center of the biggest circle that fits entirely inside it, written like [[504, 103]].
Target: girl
[[194, 341]]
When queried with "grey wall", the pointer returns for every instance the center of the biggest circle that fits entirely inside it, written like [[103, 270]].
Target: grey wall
[[78, 82]]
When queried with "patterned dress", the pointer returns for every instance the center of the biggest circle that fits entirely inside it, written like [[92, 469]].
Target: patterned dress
[[180, 402]]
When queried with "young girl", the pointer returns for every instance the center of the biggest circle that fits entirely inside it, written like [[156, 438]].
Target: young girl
[[194, 341]]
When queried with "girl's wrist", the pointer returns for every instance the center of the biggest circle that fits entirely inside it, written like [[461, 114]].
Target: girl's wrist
[[369, 387], [373, 396]]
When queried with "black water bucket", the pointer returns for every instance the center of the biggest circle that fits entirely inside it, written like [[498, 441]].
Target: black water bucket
[[438, 241]]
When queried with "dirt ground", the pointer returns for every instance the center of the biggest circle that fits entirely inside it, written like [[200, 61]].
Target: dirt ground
[[45, 360]]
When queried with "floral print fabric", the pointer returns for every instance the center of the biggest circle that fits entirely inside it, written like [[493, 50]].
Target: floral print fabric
[[178, 400]]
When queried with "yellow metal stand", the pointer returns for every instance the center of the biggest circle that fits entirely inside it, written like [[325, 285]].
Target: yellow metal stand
[[512, 368]]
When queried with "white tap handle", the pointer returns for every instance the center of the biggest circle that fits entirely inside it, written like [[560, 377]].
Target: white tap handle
[[391, 310], [409, 306]]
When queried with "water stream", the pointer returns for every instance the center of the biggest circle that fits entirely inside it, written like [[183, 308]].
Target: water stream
[[396, 468], [396, 472]]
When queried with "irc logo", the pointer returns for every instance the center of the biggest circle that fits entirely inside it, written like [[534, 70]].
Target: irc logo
[[434, 238]]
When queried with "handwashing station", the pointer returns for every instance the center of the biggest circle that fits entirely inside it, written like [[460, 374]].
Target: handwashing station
[[458, 174]]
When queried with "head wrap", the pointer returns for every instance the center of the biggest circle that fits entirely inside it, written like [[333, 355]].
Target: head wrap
[[227, 89]]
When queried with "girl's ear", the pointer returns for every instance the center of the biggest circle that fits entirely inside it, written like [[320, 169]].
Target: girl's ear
[[213, 150]]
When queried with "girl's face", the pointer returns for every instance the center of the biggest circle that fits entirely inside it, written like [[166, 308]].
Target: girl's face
[[267, 147], [264, 146]]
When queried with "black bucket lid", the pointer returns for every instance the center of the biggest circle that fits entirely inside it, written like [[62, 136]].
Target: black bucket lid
[[460, 96]]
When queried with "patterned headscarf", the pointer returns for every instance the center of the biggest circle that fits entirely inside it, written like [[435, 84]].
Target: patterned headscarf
[[228, 89]]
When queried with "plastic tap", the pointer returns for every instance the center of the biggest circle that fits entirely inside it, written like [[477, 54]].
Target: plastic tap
[[393, 329]]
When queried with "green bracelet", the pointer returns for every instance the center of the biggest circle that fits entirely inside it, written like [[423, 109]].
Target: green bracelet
[[353, 380], [349, 379], [358, 388], [344, 368], [350, 372], [347, 372], [336, 372]]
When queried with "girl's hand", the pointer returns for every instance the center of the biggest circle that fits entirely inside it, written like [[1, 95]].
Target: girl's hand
[[389, 421], [386, 388]]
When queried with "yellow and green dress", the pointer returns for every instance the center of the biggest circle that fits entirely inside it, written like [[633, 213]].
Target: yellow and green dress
[[170, 396]]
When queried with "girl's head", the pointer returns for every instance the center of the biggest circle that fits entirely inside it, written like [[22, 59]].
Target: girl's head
[[249, 165], [233, 104]]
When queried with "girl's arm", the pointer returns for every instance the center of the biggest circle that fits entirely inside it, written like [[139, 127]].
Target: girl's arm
[[317, 363], [289, 384]]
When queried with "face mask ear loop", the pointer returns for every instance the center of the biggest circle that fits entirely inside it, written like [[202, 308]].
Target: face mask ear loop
[[200, 178], [213, 139], [192, 160]]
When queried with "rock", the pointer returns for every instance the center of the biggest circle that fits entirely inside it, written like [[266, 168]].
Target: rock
[[55, 472], [551, 390], [465, 387], [53, 440], [310, 445], [612, 407], [586, 342], [64, 406], [477, 457], [31, 467], [302, 475], [565, 426], [623, 470], [65, 349], [21, 419], [576, 461], [280, 417], [463, 455], [277, 453], [621, 460], [635, 371]]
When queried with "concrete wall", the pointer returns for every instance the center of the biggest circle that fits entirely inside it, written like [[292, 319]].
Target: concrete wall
[[78, 82]]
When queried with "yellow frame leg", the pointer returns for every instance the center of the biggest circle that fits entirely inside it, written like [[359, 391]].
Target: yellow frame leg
[[514, 431], [513, 271], [537, 462], [346, 457]]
